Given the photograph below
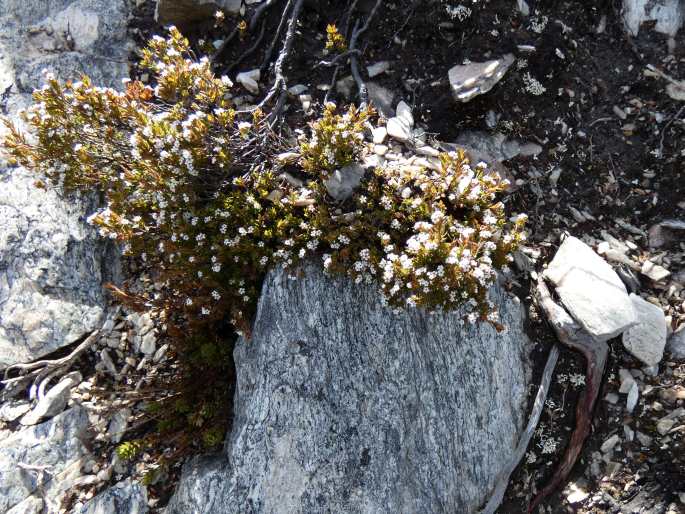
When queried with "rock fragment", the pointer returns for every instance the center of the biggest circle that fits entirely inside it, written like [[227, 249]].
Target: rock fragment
[[470, 80], [591, 291], [343, 182], [647, 338], [249, 80], [54, 401]]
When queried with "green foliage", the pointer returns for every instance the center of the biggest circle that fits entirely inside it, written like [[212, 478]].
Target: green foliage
[[336, 140], [129, 450], [335, 41], [193, 190]]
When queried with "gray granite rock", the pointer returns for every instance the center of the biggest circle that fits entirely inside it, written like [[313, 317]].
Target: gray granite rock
[[42, 460], [183, 12], [126, 497], [591, 290], [344, 406], [51, 262], [54, 401], [646, 340]]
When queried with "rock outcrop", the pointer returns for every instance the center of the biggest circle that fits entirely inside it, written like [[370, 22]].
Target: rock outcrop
[[39, 463], [344, 406], [52, 266]]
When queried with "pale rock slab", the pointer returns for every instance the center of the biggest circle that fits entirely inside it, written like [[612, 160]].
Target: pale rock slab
[[344, 406], [470, 80], [647, 339], [676, 344], [591, 290], [52, 264]]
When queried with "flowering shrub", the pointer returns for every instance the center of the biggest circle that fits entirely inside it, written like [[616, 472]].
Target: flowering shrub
[[335, 41], [208, 197]]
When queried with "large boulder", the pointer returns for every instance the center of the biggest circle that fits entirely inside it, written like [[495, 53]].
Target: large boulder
[[344, 406], [52, 265]]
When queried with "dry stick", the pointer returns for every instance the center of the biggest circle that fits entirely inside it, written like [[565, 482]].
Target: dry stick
[[520, 451], [249, 51], [279, 84], [253, 24], [269, 51], [354, 61], [40, 370], [595, 353]]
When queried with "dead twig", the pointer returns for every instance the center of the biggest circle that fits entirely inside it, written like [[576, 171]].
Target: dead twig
[[280, 83], [520, 451], [354, 61], [269, 51], [595, 352], [42, 371]]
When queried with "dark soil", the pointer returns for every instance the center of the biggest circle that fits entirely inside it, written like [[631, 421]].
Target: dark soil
[[610, 168]]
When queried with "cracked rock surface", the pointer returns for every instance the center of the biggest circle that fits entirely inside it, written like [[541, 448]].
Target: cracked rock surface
[[344, 406], [51, 265]]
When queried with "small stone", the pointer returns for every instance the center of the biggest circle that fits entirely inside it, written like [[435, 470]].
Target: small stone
[[470, 80], [11, 411], [646, 340], [287, 157], [627, 381], [629, 433], [118, 425], [404, 113], [398, 129], [664, 425], [676, 343], [633, 395], [577, 494], [343, 182], [381, 97], [379, 134], [297, 89], [654, 271], [249, 80], [380, 149], [160, 353], [609, 444], [377, 68], [612, 398], [644, 439], [148, 343]]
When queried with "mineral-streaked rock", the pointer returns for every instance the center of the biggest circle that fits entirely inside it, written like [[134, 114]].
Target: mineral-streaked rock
[[126, 497], [591, 291], [183, 12], [646, 340], [51, 262], [470, 80], [344, 406], [52, 449]]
